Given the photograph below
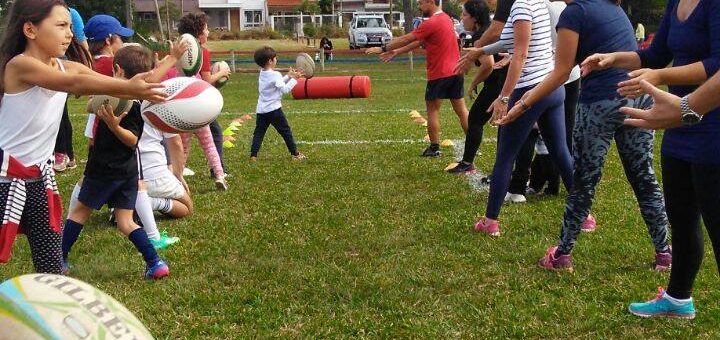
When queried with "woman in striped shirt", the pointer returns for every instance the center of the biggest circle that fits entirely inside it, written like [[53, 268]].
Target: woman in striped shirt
[[528, 37]]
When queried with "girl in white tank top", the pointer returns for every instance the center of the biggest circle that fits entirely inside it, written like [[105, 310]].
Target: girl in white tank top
[[35, 83]]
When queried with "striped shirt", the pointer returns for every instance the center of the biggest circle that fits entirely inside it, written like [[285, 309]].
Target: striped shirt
[[539, 62]]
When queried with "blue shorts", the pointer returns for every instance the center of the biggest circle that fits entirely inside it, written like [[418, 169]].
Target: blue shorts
[[119, 194]]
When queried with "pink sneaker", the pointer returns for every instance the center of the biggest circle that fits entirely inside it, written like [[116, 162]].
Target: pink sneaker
[[663, 260], [61, 162], [485, 226], [589, 225], [549, 261]]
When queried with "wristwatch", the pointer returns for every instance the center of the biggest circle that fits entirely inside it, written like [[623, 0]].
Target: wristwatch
[[689, 117], [504, 100]]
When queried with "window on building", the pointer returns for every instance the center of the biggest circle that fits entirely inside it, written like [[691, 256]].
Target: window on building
[[253, 19]]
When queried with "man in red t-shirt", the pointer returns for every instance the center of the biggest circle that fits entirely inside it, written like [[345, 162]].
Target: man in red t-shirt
[[437, 34]]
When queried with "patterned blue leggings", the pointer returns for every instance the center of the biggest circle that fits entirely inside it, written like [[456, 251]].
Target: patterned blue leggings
[[596, 124]]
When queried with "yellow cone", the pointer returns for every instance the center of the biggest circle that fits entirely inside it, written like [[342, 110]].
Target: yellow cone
[[228, 132], [414, 113], [424, 124], [420, 120], [450, 166], [447, 142], [228, 144], [426, 138]]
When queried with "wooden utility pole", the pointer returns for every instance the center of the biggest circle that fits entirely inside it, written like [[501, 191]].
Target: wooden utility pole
[[159, 19], [167, 17], [391, 14], [128, 14]]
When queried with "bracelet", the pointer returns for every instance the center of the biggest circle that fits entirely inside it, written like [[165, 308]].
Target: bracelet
[[524, 105]]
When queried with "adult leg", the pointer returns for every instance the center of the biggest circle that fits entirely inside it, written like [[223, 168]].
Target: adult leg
[[523, 161], [635, 147], [572, 93], [683, 210], [261, 125], [281, 125], [706, 180], [593, 133], [552, 129], [433, 127], [477, 118], [510, 139], [461, 111]]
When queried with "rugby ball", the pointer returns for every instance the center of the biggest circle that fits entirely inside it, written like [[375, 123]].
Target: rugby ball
[[191, 59], [119, 106], [191, 103], [48, 306], [306, 64], [218, 67]]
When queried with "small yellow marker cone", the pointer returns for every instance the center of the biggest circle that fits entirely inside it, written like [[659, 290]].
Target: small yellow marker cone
[[414, 113], [228, 144], [228, 132], [447, 142], [451, 166]]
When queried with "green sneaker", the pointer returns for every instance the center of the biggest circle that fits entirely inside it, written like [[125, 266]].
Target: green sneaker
[[662, 306], [164, 241]]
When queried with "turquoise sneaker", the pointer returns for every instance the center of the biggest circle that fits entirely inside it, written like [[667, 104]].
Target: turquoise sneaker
[[164, 241], [661, 306]]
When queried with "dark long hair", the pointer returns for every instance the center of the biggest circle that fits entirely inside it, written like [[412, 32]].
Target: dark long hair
[[13, 41], [78, 53], [479, 10]]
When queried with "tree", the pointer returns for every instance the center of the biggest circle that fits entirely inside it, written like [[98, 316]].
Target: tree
[[409, 12], [325, 6], [87, 9], [308, 7]]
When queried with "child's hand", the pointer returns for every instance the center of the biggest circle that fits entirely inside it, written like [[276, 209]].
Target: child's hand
[[295, 74], [105, 113], [178, 48], [139, 88]]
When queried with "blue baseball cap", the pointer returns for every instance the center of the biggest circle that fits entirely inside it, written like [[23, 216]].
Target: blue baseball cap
[[102, 26]]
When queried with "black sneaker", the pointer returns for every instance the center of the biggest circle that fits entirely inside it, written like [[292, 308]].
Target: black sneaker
[[431, 151], [462, 168], [485, 180]]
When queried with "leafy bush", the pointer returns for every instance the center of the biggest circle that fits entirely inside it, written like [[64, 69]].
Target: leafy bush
[[309, 30], [253, 34]]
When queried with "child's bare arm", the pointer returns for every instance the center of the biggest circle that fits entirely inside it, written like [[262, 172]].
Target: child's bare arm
[[166, 64], [81, 80]]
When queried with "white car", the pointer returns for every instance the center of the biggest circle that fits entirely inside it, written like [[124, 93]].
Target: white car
[[368, 30]]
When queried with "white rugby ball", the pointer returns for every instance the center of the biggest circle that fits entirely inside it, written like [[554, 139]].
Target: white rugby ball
[[191, 104], [119, 106], [191, 60], [218, 67], [48, 306]]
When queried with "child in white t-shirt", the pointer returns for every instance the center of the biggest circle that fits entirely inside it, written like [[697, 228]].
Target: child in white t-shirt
[[272, 85]]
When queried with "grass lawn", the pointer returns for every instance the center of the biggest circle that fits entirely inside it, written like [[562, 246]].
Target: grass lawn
[[370, 240]]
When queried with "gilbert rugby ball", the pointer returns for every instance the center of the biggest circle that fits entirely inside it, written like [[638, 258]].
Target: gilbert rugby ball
[[217, 67], [191, 60], [306, 64], [191, 104], [118, 106], [48, 306]]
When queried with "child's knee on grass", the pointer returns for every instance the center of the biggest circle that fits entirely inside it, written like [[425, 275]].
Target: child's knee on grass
[[125, 223]]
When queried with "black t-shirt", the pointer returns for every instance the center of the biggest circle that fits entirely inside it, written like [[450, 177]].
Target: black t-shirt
[[502, 12], [497, 77], [109, 158]]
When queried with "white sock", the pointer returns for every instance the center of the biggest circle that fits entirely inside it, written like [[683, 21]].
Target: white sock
[[163, 205], [74, 198], [145, 212], [676, 302]]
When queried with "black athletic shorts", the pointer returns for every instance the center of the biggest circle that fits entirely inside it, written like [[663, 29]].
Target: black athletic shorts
[[445, 88]]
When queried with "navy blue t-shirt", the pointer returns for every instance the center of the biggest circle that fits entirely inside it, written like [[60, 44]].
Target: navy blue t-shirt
[[603, 28], [697, 39]]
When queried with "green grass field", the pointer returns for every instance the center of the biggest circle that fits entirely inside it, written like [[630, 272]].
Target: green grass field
[[372, 241]]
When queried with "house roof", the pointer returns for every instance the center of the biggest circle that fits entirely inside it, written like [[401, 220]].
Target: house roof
[[284, 3]]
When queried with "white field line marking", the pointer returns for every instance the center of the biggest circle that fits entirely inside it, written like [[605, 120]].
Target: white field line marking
[[360, 142], [301, 112], [474, 180]]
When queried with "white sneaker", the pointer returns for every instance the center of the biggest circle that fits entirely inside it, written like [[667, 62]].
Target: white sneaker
[[221, 184], [188, 172], [515, 198]]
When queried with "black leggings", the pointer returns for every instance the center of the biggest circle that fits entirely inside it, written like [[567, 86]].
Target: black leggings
[[45, 244], [477, 119], [63, 143], [691, 191]]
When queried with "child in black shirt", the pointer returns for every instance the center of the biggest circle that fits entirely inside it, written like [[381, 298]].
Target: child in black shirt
[[111, 174]]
